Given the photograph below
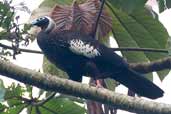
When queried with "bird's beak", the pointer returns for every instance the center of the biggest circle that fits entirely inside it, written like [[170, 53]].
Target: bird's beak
[[34, 22]]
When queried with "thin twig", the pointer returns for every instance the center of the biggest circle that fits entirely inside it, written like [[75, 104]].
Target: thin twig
[[140, 49], [18, 98], [114, 49], [20, 49], [98, 18], [91, 104], [46, 100]]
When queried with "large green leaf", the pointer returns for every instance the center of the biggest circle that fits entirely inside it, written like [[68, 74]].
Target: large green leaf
[[65, 106], [157, 33], [59, 106], [139, 30], [51, 3], [128, 5]]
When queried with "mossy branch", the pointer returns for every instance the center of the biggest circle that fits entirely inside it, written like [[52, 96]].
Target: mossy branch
[[53, 83]]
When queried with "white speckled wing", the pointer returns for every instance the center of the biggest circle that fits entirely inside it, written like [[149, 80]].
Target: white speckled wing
[[79, 47]]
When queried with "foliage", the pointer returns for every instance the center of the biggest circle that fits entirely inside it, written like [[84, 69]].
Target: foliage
[[128, 6], [2, 91], [139, 29], [10, 29], [163, 5], [129, 22], [17, 100]]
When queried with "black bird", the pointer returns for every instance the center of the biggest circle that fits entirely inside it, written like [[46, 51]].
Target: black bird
[[79, 54]]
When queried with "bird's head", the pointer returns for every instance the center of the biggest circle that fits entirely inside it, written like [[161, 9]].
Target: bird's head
[[45, 23]]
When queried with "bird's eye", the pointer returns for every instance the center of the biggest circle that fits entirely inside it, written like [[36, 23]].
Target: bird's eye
[[39, 19]]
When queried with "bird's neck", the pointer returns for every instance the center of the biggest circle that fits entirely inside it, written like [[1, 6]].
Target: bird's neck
[[50, 26]]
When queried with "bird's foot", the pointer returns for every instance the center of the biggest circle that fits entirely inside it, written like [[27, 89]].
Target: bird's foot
[[99, 84]]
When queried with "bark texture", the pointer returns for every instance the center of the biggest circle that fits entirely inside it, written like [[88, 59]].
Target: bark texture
[[53, 83]]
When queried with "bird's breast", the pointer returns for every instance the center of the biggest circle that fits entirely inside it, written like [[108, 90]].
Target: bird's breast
[[61, 56]]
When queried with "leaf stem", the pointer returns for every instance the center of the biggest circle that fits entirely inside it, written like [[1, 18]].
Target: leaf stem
[[46, 100], [98, 18], [20, 49], [140, 49], [114, 49]]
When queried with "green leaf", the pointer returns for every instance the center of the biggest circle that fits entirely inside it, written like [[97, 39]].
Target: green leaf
[[2, 107], [2, 91], [52, 3], [29, 89], [111, 84], [15, 109], [63, 106], [12, 93], [58, 106], [6, 16], [157, 33], [139, 30], [72, 98], [168, 3], [26, 28], [128, 5], [163, 5]]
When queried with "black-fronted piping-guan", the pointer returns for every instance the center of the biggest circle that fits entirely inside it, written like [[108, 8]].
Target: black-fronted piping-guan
[[79, 54]]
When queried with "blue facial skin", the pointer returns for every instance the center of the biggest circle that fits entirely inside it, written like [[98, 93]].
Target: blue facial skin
[[40, 21]]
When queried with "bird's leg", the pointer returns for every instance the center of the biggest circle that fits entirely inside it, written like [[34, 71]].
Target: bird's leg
[[98, 83], [94, 73]]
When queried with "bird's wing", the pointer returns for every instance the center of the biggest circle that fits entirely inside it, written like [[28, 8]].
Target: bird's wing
[[85, 45], [84, 48]]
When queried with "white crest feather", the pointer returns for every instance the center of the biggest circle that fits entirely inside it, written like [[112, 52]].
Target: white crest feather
[[79, 47]]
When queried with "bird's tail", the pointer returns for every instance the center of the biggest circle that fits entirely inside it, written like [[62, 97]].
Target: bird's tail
[[139, 84]]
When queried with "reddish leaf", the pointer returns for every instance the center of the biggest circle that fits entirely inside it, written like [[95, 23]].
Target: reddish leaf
[[82, 17], [62, 17], [82, 21]]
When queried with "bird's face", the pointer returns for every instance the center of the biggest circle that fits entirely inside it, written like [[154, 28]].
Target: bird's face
[[45, 23], [41, 22]]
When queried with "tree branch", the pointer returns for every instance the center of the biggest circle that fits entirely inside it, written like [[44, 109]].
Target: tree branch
[[157, 65], [53, 83]]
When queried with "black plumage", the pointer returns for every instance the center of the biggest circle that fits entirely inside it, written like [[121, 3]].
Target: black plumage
[[79, 54]]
